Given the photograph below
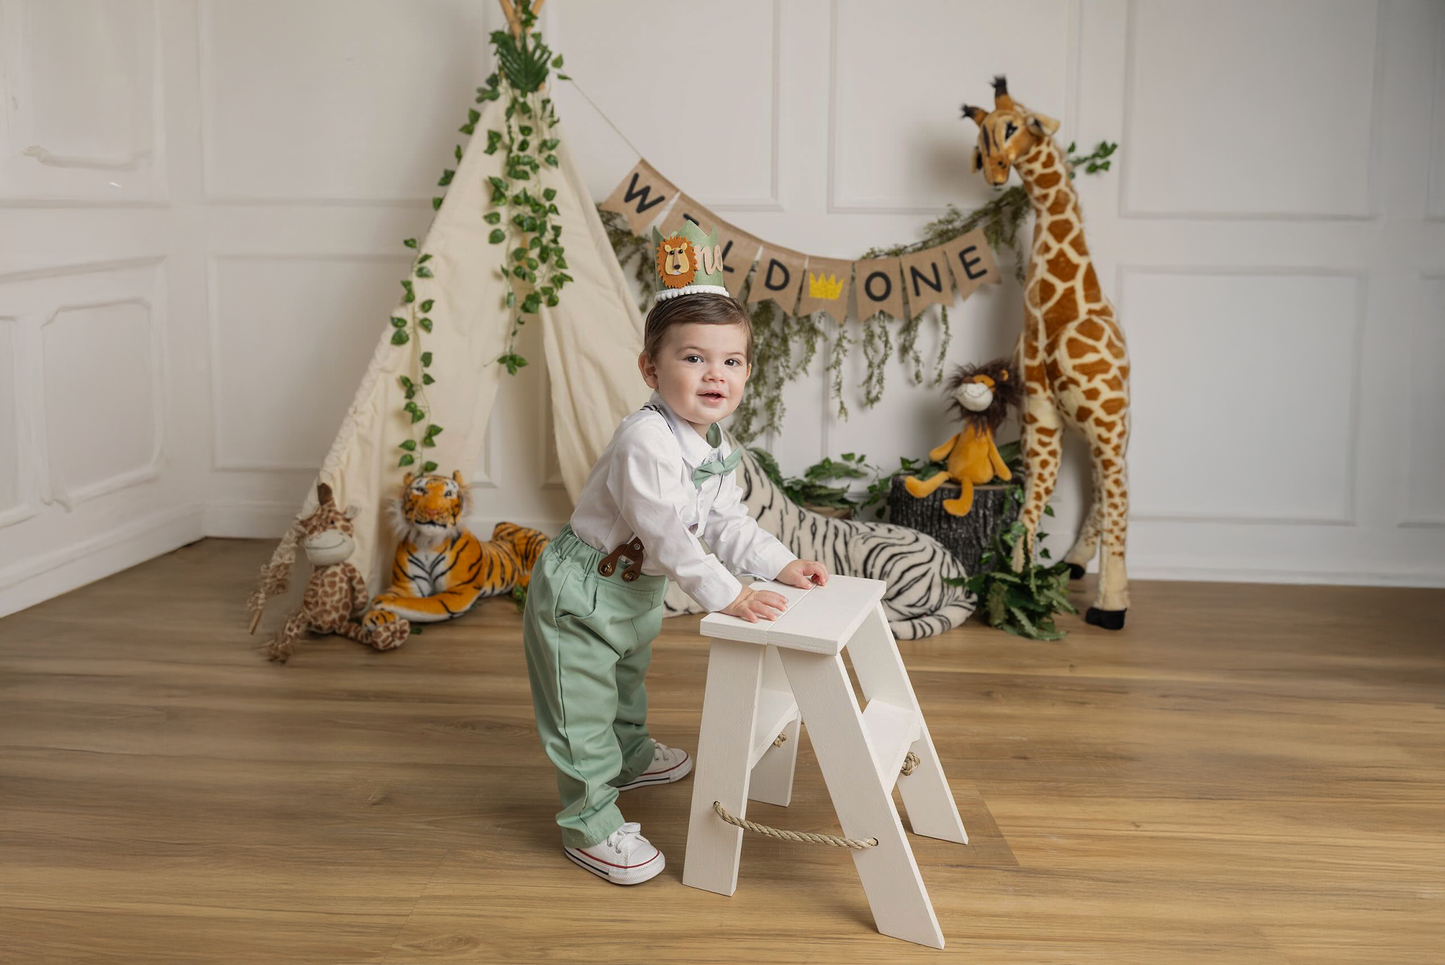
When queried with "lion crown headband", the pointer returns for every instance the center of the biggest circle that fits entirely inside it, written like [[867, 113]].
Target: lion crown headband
[[689, 262]]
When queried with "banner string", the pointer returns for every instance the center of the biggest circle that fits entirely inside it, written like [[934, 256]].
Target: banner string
[[603, 115]]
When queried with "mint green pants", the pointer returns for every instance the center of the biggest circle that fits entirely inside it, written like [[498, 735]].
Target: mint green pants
[[588, 640]]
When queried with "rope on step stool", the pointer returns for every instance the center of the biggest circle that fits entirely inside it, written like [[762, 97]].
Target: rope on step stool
[[911, 761], [807, 837]]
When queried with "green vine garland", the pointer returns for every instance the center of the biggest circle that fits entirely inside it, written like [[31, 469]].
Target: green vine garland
[[775, 332], [538, 261]]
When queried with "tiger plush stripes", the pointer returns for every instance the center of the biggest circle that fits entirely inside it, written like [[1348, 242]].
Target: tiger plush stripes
[[917, 601], [441, 570]]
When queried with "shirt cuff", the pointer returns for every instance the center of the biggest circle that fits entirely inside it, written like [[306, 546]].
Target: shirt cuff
[[718, 592], [769, 561]]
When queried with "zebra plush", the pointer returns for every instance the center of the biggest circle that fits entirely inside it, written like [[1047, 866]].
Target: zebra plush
[[917, 601]]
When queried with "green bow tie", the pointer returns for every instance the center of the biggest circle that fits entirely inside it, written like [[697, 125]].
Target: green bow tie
[[717, 467]]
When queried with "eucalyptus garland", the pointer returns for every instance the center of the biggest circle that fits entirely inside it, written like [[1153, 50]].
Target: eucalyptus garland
[[775, 332]]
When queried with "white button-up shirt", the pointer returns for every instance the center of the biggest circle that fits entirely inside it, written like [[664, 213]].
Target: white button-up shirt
[[642, 485]]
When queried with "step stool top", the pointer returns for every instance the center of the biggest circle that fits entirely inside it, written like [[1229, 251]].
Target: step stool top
[[818, 620]]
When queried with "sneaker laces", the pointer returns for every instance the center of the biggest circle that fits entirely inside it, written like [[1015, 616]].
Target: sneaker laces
[[629, 829]]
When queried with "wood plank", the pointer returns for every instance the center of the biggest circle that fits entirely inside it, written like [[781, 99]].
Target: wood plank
[[1246, 775]]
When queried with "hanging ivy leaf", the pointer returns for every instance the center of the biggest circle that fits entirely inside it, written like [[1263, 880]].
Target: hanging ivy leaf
[[426, 305], [399, 337], [436, 203], [423, 259], [410, 242], [497, 236], [398, 322], [447, 174], [427, 467], [406, 460], [425, 323], [426, 378], [423, 271], [425, 359], [492, 217], [409, 445]]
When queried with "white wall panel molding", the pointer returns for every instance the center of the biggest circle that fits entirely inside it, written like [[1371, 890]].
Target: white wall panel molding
[[358, 102], [1022, 36], [18, 490], [1215, 390], [1435, 191], [1238, 132], [614, 57], [1424, 457], [72, 444], [290, 338], [82, 106]]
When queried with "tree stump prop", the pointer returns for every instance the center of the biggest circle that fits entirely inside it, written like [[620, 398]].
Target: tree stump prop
[[966, 537]]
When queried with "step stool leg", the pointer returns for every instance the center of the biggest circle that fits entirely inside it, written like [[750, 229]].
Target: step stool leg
[[772, 781], [932, 811], [891, 881], [729, 709]]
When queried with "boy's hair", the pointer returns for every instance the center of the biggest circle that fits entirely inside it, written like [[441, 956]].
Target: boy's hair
[[704, 309]]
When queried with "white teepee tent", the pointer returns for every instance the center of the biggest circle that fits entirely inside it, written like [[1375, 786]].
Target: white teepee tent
[[592, 339]]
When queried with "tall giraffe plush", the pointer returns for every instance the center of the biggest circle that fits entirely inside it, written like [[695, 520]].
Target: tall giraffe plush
[[1072, 352]]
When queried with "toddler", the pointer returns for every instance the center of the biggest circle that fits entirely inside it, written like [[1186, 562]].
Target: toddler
[[594, 604]]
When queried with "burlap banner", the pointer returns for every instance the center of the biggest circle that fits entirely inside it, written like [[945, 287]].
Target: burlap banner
[[740, 250], [641, 197], [971, 260], [801, 283], [825, 287], [685, 209], [878, 287], [925, 279], [780, 276]]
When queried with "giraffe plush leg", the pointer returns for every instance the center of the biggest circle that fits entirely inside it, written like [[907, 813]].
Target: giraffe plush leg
[[1112, 601], [1087, 543], [1042, 439], [281, 645]]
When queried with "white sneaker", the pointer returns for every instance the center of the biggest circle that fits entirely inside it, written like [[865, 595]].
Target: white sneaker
[[625, 858], [668, 764]]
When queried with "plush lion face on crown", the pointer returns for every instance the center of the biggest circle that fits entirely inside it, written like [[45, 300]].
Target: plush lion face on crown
[[675, 262]]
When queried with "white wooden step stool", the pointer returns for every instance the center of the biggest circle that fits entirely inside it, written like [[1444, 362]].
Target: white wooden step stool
[[762, 679]]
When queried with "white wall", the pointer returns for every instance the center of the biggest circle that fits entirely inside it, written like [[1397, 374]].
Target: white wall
[[202, 203]]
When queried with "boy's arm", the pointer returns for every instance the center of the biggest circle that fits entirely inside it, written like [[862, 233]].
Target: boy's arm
[[738, 540], [645, 480]]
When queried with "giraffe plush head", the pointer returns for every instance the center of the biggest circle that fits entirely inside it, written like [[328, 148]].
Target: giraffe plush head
[[1005, 134], [327, 534]]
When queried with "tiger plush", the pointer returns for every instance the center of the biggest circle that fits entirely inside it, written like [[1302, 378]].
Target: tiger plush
[[441, 570]]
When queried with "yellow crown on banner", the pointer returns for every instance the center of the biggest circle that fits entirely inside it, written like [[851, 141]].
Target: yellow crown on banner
[[824, 286]]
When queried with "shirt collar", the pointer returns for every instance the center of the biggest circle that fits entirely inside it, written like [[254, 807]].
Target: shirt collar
[[695, 449]]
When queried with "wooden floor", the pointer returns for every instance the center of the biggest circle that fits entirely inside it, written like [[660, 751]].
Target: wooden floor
[[1250, 774]]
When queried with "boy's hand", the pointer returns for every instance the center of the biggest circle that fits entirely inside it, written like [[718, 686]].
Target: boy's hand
[[752, 604], [804, 573]]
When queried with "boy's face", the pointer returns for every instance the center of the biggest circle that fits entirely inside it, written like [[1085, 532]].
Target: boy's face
[[699, 371]]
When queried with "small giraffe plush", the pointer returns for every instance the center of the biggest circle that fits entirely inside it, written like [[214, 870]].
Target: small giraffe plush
[[335, 596], [1075, 365]]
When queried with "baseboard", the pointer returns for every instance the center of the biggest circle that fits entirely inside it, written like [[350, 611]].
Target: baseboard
[[269, 520], [1231, 574], [249, 520], [70, 567]]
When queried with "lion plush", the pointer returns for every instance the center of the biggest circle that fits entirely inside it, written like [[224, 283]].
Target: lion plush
[[982, 395], [441, 570]]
